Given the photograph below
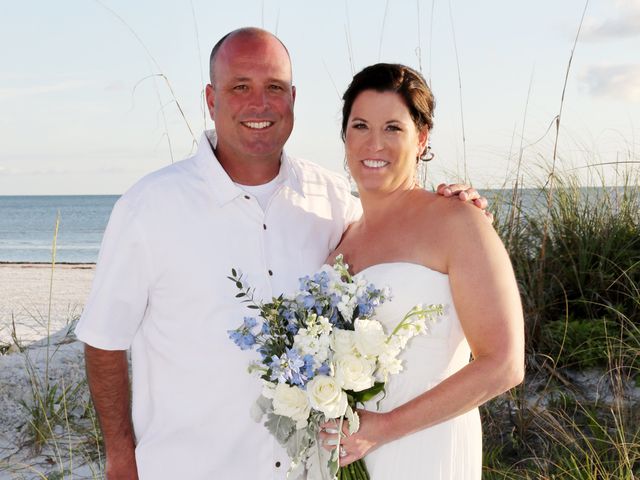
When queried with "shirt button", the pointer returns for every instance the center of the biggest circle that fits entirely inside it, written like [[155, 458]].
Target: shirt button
[[277, 464], [264, 226], [247, 197], [270, 273]]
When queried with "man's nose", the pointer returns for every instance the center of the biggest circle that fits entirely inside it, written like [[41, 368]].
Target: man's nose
[[259, 100]]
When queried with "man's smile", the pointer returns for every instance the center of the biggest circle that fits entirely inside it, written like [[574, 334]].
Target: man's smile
[[257, 125]]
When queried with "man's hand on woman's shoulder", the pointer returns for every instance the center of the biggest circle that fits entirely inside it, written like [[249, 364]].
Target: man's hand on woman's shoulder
[[465, 193]]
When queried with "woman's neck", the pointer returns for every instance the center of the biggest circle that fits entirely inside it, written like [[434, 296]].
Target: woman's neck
[[378, 207]]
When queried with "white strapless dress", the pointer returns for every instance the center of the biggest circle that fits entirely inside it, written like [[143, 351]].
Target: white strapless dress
[[451, 450]]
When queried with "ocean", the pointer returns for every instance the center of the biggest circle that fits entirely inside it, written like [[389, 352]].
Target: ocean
[[27, 227], [27, 223]]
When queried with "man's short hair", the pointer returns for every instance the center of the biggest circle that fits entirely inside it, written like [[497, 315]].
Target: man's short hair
[[248, 31]]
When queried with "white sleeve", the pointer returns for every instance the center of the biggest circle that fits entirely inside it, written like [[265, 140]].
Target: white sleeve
[[353, 211], [120, 290]]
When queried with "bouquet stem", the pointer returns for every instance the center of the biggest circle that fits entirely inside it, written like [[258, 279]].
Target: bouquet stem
[[354, 471]]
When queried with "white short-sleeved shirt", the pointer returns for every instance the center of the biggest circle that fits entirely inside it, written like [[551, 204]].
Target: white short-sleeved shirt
[[161, 289]]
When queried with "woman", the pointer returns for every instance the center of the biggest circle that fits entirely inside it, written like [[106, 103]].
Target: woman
[[428, 250]]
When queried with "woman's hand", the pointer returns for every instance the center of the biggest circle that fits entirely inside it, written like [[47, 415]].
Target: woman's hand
[[371, 435]]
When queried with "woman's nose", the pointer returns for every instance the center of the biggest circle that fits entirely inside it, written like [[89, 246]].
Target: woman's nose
[[375, 142]]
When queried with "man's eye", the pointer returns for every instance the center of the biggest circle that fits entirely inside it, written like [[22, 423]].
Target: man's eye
[[276, 87], [240, 87]]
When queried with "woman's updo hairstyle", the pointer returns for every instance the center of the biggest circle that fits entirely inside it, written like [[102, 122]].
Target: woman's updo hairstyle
[[392, 77]]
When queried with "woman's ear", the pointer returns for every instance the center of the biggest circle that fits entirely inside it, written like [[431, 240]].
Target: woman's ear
[[423, 138]]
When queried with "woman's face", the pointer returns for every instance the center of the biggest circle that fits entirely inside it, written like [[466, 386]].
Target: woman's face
[[382, 142]]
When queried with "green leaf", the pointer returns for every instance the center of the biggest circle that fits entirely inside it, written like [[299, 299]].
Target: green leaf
[[241, 294], [280, 427], [239, 285], [369, 393], [233, 272]]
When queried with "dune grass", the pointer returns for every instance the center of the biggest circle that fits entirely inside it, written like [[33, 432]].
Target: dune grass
[[577, 262]]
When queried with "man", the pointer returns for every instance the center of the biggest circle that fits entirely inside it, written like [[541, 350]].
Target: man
[[161, 289]]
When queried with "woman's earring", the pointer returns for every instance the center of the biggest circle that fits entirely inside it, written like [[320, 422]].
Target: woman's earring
[[352, 183], [427, 154]]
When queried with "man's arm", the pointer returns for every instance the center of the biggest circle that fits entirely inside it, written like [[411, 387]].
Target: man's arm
[[108, 378]]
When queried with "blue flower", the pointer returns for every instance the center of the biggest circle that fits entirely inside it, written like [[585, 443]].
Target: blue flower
[[304, 282], [306, 300], [250, 322], [292, 327], [308, 367], [324, 369], [244, 339], [265, 330], [322, 280], [334, 300], [286, 367]]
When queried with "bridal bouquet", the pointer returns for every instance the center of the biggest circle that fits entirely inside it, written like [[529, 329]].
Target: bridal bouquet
[[321, 353]]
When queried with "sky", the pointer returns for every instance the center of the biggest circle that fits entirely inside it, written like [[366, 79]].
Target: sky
[[95, 94]]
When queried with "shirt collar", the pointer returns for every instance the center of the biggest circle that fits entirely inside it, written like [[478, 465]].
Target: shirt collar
[[221, 185]]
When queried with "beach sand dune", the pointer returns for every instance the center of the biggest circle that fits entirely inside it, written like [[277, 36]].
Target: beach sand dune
[[24, 300]]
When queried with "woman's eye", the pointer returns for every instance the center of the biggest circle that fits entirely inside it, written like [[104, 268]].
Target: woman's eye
[[359, 126], [394, 128]]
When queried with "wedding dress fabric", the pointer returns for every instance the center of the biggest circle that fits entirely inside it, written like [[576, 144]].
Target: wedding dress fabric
[[451, 450]]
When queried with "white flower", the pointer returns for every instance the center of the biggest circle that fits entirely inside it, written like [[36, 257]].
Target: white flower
[[306, 344], [346, 306], [326, 396], [369, 337], [388, 361], [342, 341], [291, 402], [354, 372]]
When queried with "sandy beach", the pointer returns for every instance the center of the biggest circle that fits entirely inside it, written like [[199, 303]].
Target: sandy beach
[[29, 298], [25, 290]]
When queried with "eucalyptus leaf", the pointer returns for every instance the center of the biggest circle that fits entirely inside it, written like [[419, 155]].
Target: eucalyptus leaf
[[280, 427], [354, 420]]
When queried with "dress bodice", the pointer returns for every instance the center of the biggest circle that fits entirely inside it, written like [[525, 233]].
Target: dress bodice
[[429, 358], [449, 450]]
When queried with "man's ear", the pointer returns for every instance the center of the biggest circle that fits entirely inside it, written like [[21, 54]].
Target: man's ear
[[210, 96]]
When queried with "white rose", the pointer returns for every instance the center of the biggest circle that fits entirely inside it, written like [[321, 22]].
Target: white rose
[[342, 341], [354, 372], [369, 337], [326, 396], [291, 402]]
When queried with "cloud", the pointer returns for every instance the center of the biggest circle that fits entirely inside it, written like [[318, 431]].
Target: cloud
[[116, 86], [621, 82], [7, 93], [625, 23]]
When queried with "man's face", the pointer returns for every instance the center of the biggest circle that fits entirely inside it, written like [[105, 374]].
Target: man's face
[[252, 100]]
